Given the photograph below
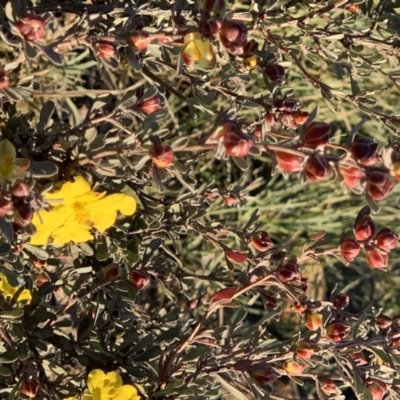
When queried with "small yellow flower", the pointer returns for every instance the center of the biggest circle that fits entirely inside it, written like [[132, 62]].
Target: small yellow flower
[[250, 62], [8, 291], [11, 167], [198, 50], [79, 209]]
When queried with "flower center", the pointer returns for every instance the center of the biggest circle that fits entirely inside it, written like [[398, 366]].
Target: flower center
[[6, 165], [81, 214]]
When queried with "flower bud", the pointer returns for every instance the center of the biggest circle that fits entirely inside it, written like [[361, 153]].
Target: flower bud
[[351, 176], [162, 156], [150, 105], [270, 118], [317, 168], [300, 307], [111, 272], [261, 241], [233, 34], [313, 321], [264, 377], [31, 27], [231, 199], [275, 73], [337, 330], [377, 259], [289, 272], [289, 162], [138, 279], [364, 228], [317, 134], [294, 368], [379, 185], [30, 388], [105, 49], [20, 189], [235, 256], [341, 301], [23, 214], [364, 150], [383, 321], [41, 279], [377, 388], [4, 81], [300, 117], [328, 386], [304, 350], [349, 249], [386, 239], [5, 207], [237, 143], [140, 40]]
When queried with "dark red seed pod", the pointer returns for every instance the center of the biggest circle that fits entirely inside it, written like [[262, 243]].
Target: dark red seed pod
[[289, 162], [261, 241], [291, 105], [23, 214], [317, 134], [300, 117], [20, 189], [386, 239], [379, 185], [150, 105], [349, 249], [377, 259], [351, 175], [377, 388], [139, 279], [364, 228], [233, 34], [317, 168], [337, 330], [289, 272], [105, 49], [30, 388], [31, 27], [341, 301], [237, 143], [275, 73], [364, 150]]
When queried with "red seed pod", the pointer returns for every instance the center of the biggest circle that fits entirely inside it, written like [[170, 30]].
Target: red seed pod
[[304, 350], [300, 117], [111, 272], [261, 241], [150, 105], [364, 228], [138, 279], [162, 156], [237, 143], [379, 185], [377, 259], [233, 34], [30, 388], [4, 81], [235, 256], [290, 105], [317, 134], [349, 249], [31, 27], [313, 321], [211, 27], [317, 168], [328, 386], [337, 330], [289, 162], [5, 207], [289, 272], [105, 49], [377, 388], [294, 368], [341, 301], [275, 73], [140, 40], [364, 150], [386, 239], [270, 118], [23, 214], [223, 294], [20, 189], [383, 321], [352, 176]]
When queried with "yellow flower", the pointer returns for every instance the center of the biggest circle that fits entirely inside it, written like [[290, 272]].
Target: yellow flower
[[109, 387], [11, 167], [198, 50], [79, 209], [8, 291]]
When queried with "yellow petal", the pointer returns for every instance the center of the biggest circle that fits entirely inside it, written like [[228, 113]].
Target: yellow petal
[[71, 398], [207, 57], [102, 386], [71, 231], [25, 296], [190, 37], [103, 212], [46, 222], [127, 392], [6, 289], [190, 54], [70, 191]]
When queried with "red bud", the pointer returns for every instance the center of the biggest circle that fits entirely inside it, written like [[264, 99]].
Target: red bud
[[351, 176], [386, 239], [139, 279], [349, 249], [341, 301], [289, 272], [317, 134], [224, 294], [383, 321], [30, 388], [377, 259], [105, 49], [289, 162], [111, 272], [162, 156], [150, 105], [300, 117], [313, 321], [364, 150], [20, 189], [140, 40], [377, 388], [233, 34], [275, 73], [261, 241], [317, 168], [328, 386], [31, 27], [304, 350], [379, 185], [364, 228], [237, 143], [294, 368], [235, 256], [337, 330]]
